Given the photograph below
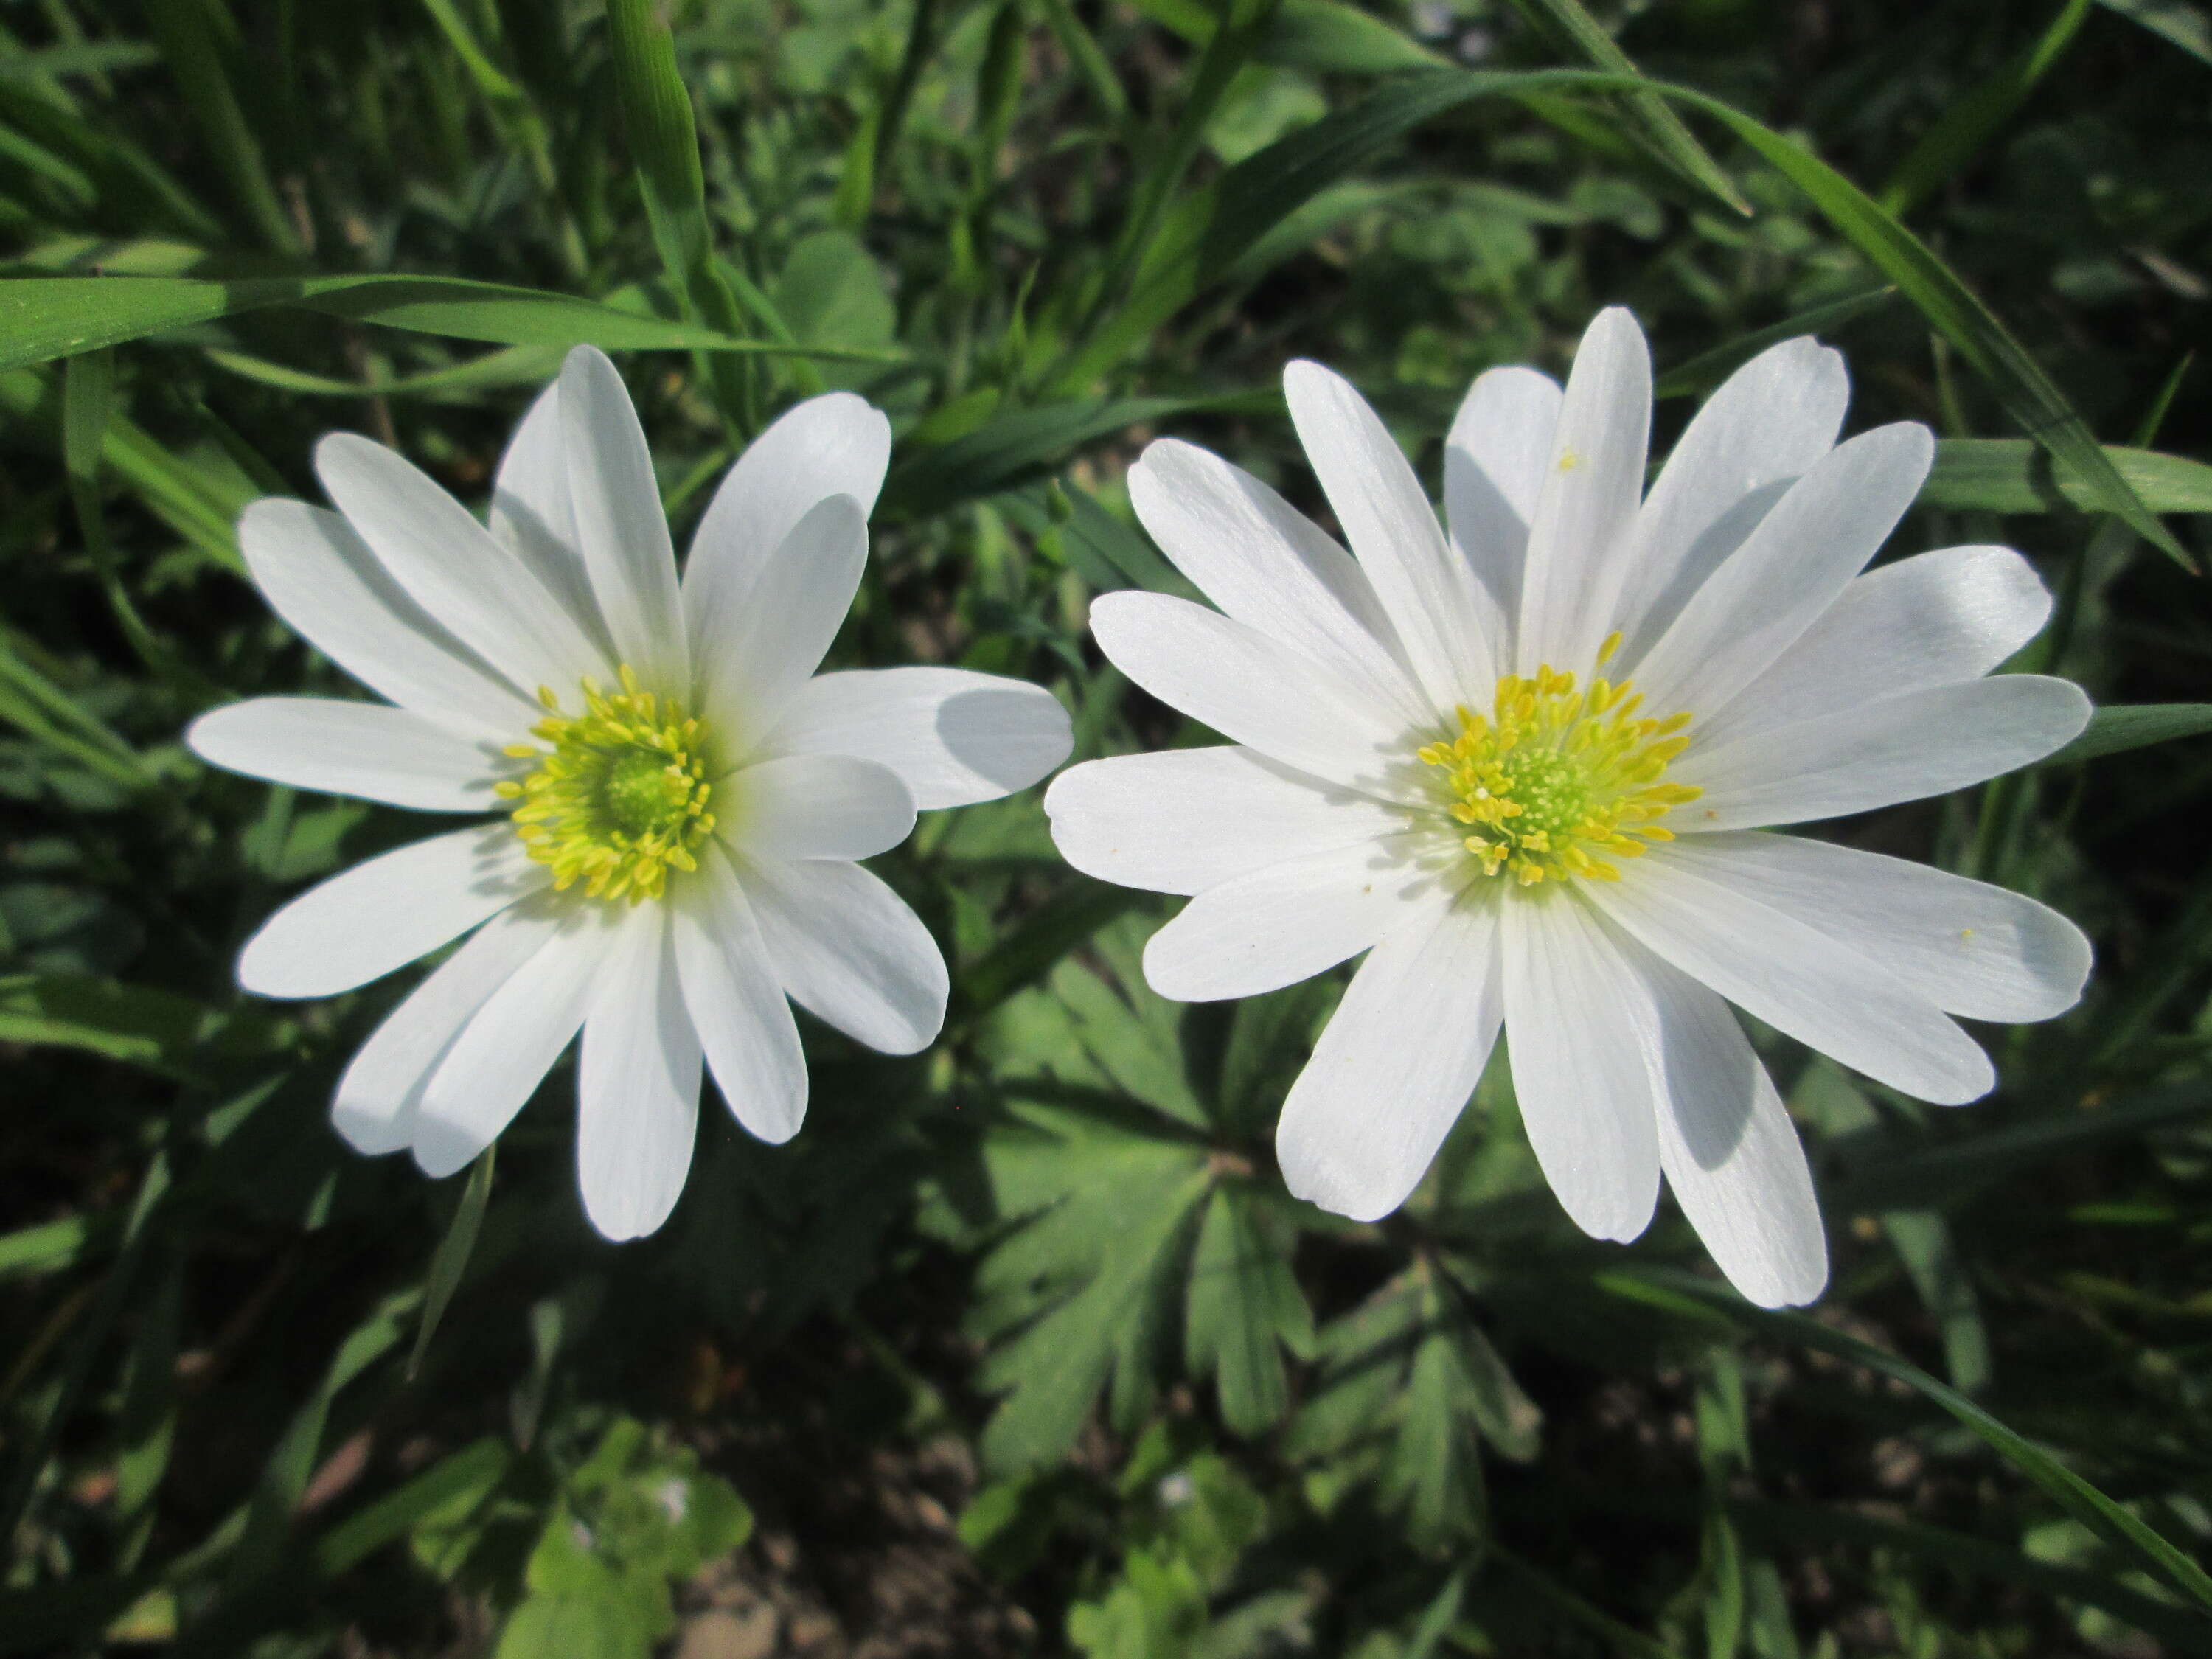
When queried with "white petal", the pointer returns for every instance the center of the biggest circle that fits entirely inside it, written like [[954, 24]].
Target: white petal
[[508, 1045], [1289, 921], [757, 650], [1801, 982], [737, 1001], [1183, 820], [621, 530], [953, 735], [637, 1085], [1427, 591], [1788, 571], [532, 513], [1270, 566], [1876, 753], [834, 445], [1577, 1019], [1934, 619], [1970, 949], [848, 949], [455, 568], [1497, 457], [377, 1097], [1578, 540], [363, 748], [1768, 424], [1395, 1066], [815, 806], [1248, 688], [1729, 1151], [320, 577], [381, 915]]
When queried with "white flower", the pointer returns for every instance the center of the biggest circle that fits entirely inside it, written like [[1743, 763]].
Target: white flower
[[680, 798], [1438, 759]]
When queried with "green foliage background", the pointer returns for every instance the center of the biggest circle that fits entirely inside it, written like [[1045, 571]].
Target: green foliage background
[[1021, 1347]]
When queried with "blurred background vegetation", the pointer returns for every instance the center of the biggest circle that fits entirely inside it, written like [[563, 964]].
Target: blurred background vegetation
[[1021, 1347]]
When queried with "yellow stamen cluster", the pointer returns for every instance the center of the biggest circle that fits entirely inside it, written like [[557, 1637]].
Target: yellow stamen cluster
[[1556, 780], [621, 798]]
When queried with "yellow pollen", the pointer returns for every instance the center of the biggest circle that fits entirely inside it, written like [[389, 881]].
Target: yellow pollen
[[1557, 781], [620, 797]]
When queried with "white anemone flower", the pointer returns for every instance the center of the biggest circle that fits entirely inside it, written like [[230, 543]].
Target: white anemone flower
[[680, 800], [1530, 768]]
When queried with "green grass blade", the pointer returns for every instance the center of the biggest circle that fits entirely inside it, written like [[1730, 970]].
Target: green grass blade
[[2011, 475], [1971, 121], [2177, 1627], [2072, 1493], [1207, 231], [1008, 448], [2028, 393], [1702, 373], [2121, 726], [187, 40], [1569, 23], [1951, 1173], [42, 317], [451, 1260], [2173, 21], [515, 366], [664, 141]]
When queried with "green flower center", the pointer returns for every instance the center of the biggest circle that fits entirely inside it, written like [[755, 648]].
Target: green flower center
[[1554, 781], [620, 797]]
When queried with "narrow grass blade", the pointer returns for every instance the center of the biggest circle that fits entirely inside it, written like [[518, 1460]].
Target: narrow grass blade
[[1971, 121], [664, 142], [1702, 373], [1581, 34], [187, 40], [2076, 1496], [2030, 395], [2121, 726], [42, 317], [2176, 22], [451, 1259], [2012, 475]]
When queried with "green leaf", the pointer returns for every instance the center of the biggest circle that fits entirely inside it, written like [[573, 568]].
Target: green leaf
[[2118, 728], [451, 1260], [1970, 122], [2069, 1491], [1243, 1307], [1332, 37], [1119, 1233], [48, 1247], [2011, 475], [1130, 1034]]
